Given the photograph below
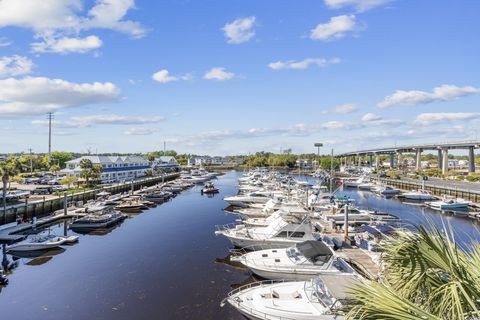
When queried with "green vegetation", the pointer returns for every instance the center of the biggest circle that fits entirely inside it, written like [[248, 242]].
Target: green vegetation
[[473, 177], [90, 172], [69, 180], [8, 169], [425, 275]]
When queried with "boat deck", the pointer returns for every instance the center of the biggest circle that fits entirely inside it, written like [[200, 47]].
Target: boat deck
[[361, 259]]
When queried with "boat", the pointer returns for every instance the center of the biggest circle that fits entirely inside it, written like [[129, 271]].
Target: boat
[[421, 195], [321, 298], [209, 188], [450, 204], [131, 206], [41, 242], [280, 233], [99, 217], [252, 197], [302, 261], [386, 190], [354, 183]]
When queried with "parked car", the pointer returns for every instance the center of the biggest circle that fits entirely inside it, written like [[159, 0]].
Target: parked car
[[43, 190], [53, 182]]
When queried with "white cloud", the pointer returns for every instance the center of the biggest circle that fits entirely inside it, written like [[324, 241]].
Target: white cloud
[[360, 5], [335, 28], [15, 66], [163, 76], [4, 42], [303, 64], [67, 45], [102, 119], [37, 95], [414, 97], [432, 118], [61, 19], [218, 74], [369, 117], [345, 108], [240, 30], [140, 131]]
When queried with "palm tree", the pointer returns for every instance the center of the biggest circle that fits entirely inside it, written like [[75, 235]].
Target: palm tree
[[8, 168], [425, 275], [90, 171]]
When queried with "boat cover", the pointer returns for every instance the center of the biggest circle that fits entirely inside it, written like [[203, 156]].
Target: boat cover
[[312, 249], [371, 230]]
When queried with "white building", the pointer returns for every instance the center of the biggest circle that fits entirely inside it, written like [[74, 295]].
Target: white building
[[115, 168], [208, 161], [166, 163]]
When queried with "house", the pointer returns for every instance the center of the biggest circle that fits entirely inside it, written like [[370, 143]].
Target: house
[[166, 163], [115, 168], [304, 163]]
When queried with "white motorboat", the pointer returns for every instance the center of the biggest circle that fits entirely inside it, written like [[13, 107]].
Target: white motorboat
[[41, 242], [253, 197], [318, 299], [303, 261], [386, 190], [280, 233], [98, 218], [354, 183], [418, 195], [367, 186], [450, 204]]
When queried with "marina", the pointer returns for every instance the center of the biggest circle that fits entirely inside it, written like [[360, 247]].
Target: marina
[[166, 259]]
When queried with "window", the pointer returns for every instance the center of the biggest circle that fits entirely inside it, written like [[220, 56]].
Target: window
[[282, 234], [297, 234]]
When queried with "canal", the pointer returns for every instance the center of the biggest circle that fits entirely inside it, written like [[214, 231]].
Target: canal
[[165, 263]]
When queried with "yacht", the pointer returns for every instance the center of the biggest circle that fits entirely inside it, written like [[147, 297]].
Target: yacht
[[418, 195], [41, 242], [302, 261], [252, 197], [280, 233], [321, 298], [99, 217], [354, 183], [209, 188]]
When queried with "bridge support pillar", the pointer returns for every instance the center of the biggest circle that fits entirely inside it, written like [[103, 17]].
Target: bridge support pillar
[[440, 159], [371, 160], [418, 160], [377, 160], [359, 160], [444, 161], [399, 158], [471, 159], [392, 160]]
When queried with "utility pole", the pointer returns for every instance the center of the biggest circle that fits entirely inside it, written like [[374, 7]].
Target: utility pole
[[331, 172], [50, 118], [31, 160], [164, 147]]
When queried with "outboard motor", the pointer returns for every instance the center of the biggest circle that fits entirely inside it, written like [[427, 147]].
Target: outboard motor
[[3, 279]]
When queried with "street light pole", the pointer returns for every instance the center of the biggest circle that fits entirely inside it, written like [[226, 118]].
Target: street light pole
[[331, 172], [318, 146]]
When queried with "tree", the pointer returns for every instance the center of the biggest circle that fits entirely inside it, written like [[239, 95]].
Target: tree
[[425, 275], [90, 171], [59, 156], [68, 180], [54, 169], [8, 168]]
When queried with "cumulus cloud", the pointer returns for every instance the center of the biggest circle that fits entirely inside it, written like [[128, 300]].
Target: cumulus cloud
[[431, 118], [67, 45], [58, 22], [219, 74], [303, 64], [240, 30], [15, 66], [4, 42], [335, 28], [164, 76], [345, 108], [360, 5], [415, 97], [140, 131], [37, 95]]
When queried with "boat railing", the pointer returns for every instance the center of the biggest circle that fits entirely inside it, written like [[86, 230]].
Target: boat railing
[[225, 227]]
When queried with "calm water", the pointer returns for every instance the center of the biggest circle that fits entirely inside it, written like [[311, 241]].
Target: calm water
[[165, 263]]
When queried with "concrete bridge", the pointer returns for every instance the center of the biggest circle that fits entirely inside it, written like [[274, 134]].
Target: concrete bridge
[[398, 151]]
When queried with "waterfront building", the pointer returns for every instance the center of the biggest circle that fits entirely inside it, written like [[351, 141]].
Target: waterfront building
[[305, 163], [115, 168], [166, 163], [208, 161]]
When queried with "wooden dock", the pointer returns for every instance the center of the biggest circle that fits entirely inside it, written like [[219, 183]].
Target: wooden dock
[[363, 261]]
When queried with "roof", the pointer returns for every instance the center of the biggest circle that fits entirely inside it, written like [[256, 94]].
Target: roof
[[312, 249], [166, 159]]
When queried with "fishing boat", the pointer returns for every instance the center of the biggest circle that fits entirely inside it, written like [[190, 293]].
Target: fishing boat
[[450, 204], [386, 190], [421, 195]]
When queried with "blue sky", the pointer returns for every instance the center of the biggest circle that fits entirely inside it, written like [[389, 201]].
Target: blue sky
[[228, 77]]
